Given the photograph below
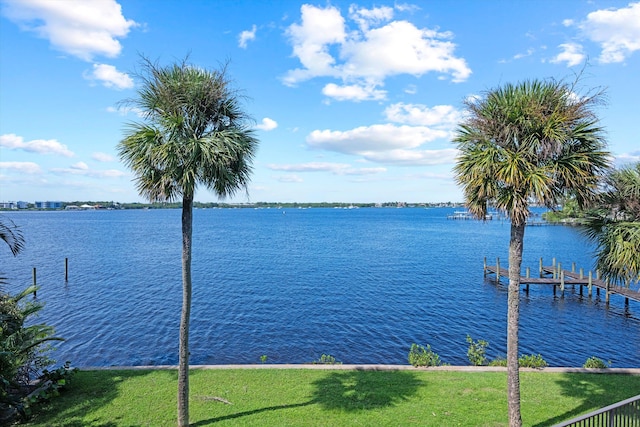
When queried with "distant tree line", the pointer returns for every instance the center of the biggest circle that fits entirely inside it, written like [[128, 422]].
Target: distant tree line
[[211, 205]]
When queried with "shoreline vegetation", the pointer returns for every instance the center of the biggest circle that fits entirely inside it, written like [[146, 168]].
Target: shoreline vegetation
[[109, 205], [330, 395]]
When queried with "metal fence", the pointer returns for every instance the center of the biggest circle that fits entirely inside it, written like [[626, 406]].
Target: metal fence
[[621, 414]]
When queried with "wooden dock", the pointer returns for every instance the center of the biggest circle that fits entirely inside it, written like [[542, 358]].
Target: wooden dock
[[556, 276]]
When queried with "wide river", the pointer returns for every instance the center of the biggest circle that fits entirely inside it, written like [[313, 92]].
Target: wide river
[[359, 284]]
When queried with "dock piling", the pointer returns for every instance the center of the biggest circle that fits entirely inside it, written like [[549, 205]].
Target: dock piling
[[35, 282], [557, 277], [66, 269]]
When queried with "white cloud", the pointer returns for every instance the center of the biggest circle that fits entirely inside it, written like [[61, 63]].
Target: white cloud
[[40, 146], [616, 30], [627, 158], [310, 167], [83, 169], [247, 36], [375, 138], [123, 111], [413, 157], [110, 77], [353, 92], [334, 168], [22, 167], [367, 17], [82, 28], [365, 55], [442, 116], [102, 157], [364, 171], [290, 179], [311, 39], [81, 166], [529, 52], [571, 54], [267, 124]]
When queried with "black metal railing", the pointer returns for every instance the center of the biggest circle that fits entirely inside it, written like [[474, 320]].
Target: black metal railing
[[621, 414]]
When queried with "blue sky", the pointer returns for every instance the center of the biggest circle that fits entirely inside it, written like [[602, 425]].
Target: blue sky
[[353, 101]]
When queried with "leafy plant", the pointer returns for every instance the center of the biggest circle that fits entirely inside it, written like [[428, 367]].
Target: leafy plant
[[498, 361], [326, 359], [525, 361], [596, 363], [421, 356], [532, 361], [24, 352], [263, 358], [477, 351]]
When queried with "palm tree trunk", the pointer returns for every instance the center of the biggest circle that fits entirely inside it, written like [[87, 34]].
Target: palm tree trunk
[[513, 314], [183, 365]]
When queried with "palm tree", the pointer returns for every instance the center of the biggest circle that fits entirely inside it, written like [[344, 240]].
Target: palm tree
[[532, 142], [194, 132], [11, 235], [615, 227]]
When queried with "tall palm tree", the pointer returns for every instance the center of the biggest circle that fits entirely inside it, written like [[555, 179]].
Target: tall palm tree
[[194, 132], [615, 227], [532, 142]]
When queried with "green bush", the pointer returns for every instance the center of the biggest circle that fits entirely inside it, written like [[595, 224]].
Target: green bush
[[477, 351], [327, 359], [498, 361], [532, 361], [525, 361], [24, 353], [420, 356], [595, 362]]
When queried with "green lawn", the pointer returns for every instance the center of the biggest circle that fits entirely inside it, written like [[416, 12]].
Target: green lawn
[[306, 397]]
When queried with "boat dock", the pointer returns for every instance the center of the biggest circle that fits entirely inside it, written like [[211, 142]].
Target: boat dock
[[556, 276]]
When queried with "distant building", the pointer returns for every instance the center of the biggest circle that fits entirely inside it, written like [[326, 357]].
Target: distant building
[[23, 205], [48, 205]]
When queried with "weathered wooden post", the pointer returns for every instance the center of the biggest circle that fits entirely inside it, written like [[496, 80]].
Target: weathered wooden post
[[527, 284], [559, 271], [497, 270], [581, 273], [573, 267], [485, 267], [562, 281], [553, 262], [607, 286], [66, 269], [541, 267], [590, 283], [35, 282]]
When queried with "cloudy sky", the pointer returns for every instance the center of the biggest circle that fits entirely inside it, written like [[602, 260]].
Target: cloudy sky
[[353, 102]]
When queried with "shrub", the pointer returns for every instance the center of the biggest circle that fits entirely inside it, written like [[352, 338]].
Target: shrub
[[24, 354], [498, 361], [525, 361], [532, 361], [326, 359], [420, 356], [477, 351], [596, 363]]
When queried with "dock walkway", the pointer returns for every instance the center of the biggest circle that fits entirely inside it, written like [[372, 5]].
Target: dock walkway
[[557, 277]]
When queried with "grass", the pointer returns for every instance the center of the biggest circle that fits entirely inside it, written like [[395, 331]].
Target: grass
[[306, 397]]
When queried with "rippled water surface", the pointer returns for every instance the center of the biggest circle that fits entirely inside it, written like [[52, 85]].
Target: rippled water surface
[[359, 284]]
